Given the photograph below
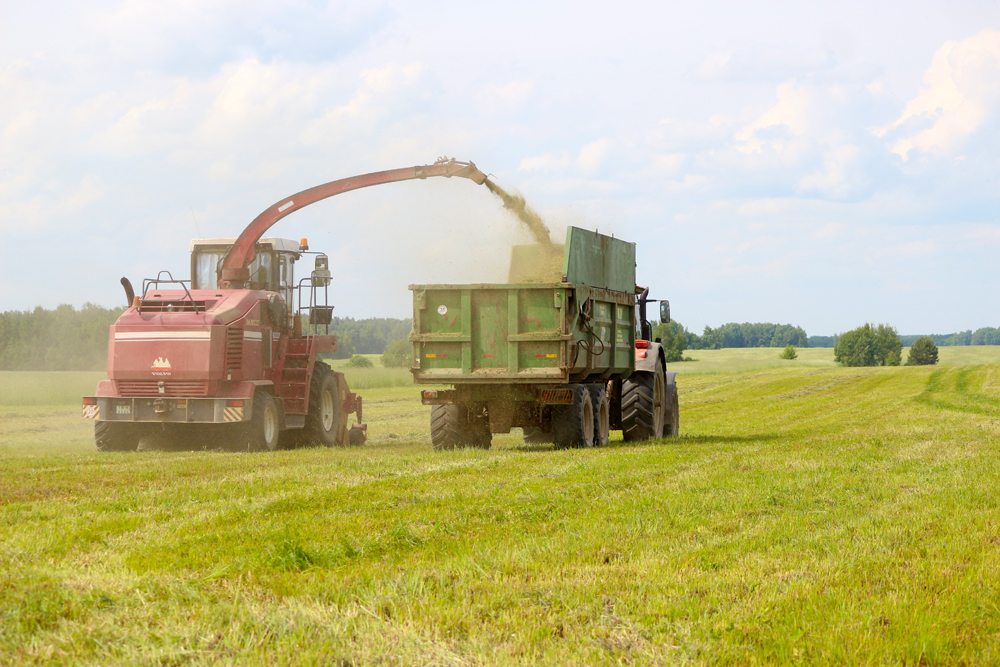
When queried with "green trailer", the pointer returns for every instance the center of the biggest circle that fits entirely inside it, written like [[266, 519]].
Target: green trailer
[[554, 351]]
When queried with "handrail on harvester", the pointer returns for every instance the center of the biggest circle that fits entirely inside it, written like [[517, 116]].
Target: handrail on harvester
[[234, 272]]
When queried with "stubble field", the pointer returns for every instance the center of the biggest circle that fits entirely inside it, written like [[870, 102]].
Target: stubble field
[[808, 514]]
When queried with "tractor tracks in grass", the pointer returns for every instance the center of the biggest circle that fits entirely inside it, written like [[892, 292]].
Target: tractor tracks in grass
[[948, 389]]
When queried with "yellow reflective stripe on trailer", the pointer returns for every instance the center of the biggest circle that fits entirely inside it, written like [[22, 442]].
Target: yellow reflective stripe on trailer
[[91, 412], [232, 414]]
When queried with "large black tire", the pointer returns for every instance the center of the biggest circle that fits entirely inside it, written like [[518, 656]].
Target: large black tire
[[672, 427], [643, 397], [115, 437], [261, 433], [323, 419], [573, 425], [455, 426], [602, 414]]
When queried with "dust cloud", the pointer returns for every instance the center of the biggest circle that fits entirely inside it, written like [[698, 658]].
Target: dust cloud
[[515, 204]]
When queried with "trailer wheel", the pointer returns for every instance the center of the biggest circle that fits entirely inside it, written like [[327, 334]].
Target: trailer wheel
[[263, 428], [643, 397], [573, 425], [455, 426], [111, 437], [323, 419], [602, 414]]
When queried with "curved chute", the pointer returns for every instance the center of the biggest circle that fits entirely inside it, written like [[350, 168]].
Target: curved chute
[[234, 271]]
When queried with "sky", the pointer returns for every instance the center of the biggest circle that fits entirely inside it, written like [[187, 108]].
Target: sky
[[816, 164]]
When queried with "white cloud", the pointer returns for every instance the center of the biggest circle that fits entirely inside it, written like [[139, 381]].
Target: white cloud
[[840, 167], [504, 98], [961, 91], [592, 155], [547, 163], [792, 112]]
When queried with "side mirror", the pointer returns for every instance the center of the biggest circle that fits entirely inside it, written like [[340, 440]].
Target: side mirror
[[321, 275], [664, 312]]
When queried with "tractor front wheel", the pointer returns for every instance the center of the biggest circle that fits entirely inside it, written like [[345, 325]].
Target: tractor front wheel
[[644, 395]]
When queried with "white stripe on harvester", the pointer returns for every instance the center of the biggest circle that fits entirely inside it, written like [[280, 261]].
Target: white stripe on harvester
[[253, 335], [285, 205], [144, 335]]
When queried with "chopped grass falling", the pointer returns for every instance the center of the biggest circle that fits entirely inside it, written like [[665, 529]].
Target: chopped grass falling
[[807, 515]]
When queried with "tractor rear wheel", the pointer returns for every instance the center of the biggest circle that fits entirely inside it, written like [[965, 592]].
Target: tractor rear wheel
[[573, 425], [323, 419], [643, 397], [455, 426], [602, 414], [262, 430], [112, 437]]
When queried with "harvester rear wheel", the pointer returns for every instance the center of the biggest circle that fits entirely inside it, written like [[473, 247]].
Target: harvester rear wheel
[[323, 419], [263, 428], [573, 425], [455, 426], [602, 414], [643, 396], [111, 437]]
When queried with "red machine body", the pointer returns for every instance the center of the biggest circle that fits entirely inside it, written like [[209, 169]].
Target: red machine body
[[228, 351]]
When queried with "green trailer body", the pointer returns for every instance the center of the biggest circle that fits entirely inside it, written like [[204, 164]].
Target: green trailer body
[[579, 327], [550, 351]]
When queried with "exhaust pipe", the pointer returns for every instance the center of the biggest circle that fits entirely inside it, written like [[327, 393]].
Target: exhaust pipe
[[129, 292]]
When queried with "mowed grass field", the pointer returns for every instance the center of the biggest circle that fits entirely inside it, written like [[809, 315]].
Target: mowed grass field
[[808, 514]]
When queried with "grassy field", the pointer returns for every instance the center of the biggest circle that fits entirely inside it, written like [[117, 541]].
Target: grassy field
[[809, 514]]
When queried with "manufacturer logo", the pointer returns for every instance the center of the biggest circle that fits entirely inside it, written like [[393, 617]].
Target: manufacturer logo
[[161, 366]]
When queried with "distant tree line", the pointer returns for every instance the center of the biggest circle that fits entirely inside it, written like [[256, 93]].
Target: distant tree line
[[68, 339], [761, 334], [368, 336], [64, 339]]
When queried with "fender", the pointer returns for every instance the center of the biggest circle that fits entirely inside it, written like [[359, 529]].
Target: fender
[[654, 356]]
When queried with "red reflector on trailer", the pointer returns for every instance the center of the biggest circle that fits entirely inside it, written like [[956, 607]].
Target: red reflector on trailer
[[642, 344], [430, 394], [90, 401], [640, 354], [234, 404]]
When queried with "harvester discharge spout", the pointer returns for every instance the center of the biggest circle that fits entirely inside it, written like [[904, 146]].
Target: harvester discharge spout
[[234, 273]]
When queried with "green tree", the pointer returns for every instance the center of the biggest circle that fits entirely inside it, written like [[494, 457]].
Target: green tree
[[397, 354], [673, 338], [789, 353], [923, 352], [358, 361], [869, 346]]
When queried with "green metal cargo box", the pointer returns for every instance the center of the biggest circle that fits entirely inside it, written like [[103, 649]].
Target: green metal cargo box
[[545, 328]]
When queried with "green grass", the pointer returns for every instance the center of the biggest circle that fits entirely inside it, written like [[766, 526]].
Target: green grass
[[807, 515], [47, 388]]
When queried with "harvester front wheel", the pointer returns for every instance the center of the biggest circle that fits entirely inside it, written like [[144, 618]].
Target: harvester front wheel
[[643, 396], [573, 425], [323, 420], [602, 414], [111, 437], [454, 426], [263, 428]]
